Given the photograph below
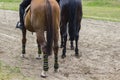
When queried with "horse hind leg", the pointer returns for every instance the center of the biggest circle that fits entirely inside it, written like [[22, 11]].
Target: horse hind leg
[[62, 41], [71, 45], [56, 47], [39, 51], [45, 66], [63, 26], [71, 31], [42, 42], [76, 48], [78, 27], [76, 40], [56, 65], [63, 30], [64, 46], [23, 42]]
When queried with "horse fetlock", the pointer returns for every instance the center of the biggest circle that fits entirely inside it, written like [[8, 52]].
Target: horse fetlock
[[64, 50], [63, 56], [64, 53], [72, 47], [76, 50], [56, 70], [56, 66], [61, 46], [23, 51], [39, 51]]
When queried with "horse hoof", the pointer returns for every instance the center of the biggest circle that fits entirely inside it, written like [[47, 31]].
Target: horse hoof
[[63, 56], [78, 55], [22, 55], [56, 70], [43, 74], [38, 58], [72, 48]]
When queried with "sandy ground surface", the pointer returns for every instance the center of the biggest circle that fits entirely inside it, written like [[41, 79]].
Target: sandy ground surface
[[99, 44]]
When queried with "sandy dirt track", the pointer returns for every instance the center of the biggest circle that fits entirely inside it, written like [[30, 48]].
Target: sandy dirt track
[[99, 44]]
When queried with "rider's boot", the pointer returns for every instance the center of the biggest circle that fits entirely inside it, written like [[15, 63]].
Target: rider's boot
[[20, 24]]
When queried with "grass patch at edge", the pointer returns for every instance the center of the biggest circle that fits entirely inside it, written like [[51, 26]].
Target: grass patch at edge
[[11, 73], [102, 13]]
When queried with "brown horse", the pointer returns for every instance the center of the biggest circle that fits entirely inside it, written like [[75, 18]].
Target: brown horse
[[43, 16]]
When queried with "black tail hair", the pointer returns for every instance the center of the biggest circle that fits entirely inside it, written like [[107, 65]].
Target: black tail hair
[[72, 21], [49, 27]]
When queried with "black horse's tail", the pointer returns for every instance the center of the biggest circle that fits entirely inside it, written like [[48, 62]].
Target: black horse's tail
[[73, 5], [50, 28]]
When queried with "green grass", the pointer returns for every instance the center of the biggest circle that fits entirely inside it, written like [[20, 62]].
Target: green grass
[[11, 73], [103, 13], [102, 3], [10, 4], [96, 9], [102, 9]]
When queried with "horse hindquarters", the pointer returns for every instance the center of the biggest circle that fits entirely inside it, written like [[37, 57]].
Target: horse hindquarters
[[27, 22]]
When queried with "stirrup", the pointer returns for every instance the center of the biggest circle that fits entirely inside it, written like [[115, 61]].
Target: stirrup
[[19, 25]]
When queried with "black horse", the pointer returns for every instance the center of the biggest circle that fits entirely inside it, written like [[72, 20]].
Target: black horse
[[71, 14]]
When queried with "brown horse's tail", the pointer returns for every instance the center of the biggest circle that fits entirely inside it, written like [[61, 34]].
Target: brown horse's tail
[[49, 21]]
